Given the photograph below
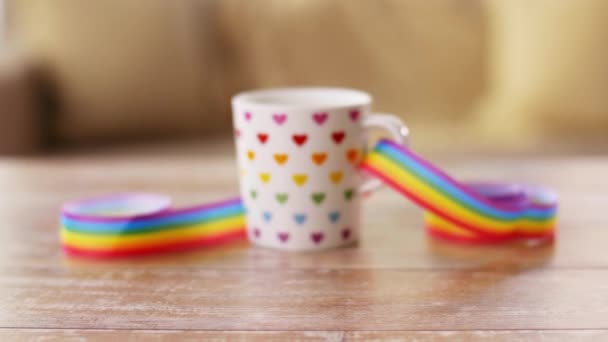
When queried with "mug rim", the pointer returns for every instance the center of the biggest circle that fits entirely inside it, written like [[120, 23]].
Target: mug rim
[[263, 97]]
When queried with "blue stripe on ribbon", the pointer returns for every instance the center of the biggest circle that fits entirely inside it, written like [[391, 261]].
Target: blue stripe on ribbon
[[457, 194], [140, 225]]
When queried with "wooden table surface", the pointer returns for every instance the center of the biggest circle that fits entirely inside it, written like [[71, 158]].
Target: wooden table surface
[[396, 283]]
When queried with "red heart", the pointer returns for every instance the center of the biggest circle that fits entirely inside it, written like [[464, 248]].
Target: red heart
[[338, 136], [317, 237], [354, 114], [256, 232], [345, 233], [300, 139], [262, 137]]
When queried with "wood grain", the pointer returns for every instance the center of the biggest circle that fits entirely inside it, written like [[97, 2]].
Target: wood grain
[[229, 299], [329, 336], [394, 284]]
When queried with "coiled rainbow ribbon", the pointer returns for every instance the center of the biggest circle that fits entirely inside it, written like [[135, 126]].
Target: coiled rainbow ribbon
[[139, 224], [472, 213]]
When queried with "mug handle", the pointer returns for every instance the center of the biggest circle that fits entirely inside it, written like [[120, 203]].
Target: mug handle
[[396, 128]]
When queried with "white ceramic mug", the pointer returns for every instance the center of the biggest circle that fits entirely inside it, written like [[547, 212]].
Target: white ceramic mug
[[298, 150]]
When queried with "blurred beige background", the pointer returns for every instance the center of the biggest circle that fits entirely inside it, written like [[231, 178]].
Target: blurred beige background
[[528, 75]]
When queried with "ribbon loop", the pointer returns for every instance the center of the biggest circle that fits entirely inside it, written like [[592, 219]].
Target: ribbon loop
[[137, 224], [476, 213]]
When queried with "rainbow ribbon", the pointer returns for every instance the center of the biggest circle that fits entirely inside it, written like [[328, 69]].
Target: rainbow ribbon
[[139, 224], [470, 213]]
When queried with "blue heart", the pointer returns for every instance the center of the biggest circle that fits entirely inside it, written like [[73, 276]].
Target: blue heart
[[267, 216], [299, 218], [334, 216]]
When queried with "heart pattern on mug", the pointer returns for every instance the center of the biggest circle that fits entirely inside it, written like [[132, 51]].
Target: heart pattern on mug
[[334, 216], [319, 158], [265, 177], [348, 194], [317, 237], [318, 197], [300, 179], [300, 139], [267, 216], [262, 137], [283, 236], [346, 233], [328, 165], [352, 155], [335, 177], [338, 137], [319, 118], [281, 198], [279, 118], [280, 158], [299, 218]]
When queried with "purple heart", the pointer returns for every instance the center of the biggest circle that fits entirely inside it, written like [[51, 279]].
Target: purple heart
[[279, 118], [319, 118], [283, 236], [247, 116], [256, 233], [316, 237], [354, 114], [345, 233]]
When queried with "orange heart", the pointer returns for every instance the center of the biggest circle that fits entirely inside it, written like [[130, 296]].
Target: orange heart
[[319, 158], [280, 158], [250, 155], [300, 179], [352, 155], [335, 177]]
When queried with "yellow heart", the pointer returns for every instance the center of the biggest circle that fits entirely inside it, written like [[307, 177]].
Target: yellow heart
[[335, 177], [280, 158], [265, 177], [250, 155], [300, 179]]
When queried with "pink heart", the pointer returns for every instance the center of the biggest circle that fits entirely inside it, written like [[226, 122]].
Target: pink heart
[[317, 237], [354, 114], [279, 118], [319, 118], [283, 236], [256, 233], [345, 233], [247, 116]]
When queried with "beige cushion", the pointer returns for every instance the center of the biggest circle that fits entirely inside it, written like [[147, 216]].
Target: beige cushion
[[130, 68]]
